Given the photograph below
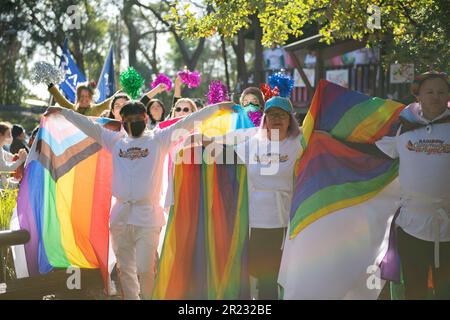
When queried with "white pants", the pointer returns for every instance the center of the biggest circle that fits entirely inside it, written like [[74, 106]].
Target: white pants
[[135, 248]]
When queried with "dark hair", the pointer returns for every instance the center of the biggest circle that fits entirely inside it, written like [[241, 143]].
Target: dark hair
[[421, 78], [149, 105], [116, 97], [16, 131], [4, 126], [132, 107], [34, 132], [256, 92], [199, 103]]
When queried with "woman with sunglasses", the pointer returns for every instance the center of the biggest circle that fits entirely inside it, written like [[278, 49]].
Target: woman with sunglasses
[[269, 152]]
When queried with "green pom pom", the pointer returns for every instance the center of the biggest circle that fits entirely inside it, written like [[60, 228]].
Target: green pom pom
[[131, 82]]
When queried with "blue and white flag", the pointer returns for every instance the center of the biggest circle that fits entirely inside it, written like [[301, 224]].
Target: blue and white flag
[[73, 74], [106, 84]]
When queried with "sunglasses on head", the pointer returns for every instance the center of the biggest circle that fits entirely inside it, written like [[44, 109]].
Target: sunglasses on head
[[178, 109]]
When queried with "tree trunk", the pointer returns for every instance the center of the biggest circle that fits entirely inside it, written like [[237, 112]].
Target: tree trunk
[[133, 34], [239, 51], [225, 60], [259, 62]]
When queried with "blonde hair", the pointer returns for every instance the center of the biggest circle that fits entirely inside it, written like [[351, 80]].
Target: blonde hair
[[190, 101]]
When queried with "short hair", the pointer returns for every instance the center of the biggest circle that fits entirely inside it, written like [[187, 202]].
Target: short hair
[[256, 92], [421, 78], [149, 105], [132, 107], [4, 126], [16, 130]]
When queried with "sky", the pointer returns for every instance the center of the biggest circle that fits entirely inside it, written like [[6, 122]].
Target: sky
[[42, 54]]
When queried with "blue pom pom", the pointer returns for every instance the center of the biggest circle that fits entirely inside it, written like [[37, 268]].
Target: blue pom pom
[[283, 82]]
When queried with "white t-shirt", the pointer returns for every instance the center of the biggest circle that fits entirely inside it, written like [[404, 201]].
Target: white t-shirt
[[274, 58], [270, 176], [7, 165], [137, 167], [424, 177]]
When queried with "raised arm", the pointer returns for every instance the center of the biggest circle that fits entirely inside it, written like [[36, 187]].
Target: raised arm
[[105, 137], [177, 92], [152, 93], [59, 98]]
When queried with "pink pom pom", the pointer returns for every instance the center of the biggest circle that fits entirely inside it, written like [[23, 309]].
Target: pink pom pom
[[191, 79], [162, 78], [218, 92]]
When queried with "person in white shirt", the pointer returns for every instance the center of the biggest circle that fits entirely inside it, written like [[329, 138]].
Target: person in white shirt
[[270, 173], [423, 146], [136, 215], [274, 58], [269, 153], [7, 164]]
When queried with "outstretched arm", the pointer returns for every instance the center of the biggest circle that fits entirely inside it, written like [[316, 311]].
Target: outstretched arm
[[105, 137], [171, 134], [59, 98], [98, 108]]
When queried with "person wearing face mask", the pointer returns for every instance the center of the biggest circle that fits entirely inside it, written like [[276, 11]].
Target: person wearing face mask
[[269, 152], [422, 222], [252, 104], [7, 164], [136, 214]]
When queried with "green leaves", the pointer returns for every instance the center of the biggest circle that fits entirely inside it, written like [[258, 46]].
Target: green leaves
[[414, 27]]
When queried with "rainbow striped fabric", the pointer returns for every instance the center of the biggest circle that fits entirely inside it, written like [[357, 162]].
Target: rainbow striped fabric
[[64, 199], [331, 175], [204, 255], [204, 252]]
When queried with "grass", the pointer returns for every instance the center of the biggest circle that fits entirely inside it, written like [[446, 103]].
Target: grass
[[8, 199]]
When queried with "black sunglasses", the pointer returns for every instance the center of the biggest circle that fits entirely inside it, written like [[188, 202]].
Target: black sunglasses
[[178, 109]]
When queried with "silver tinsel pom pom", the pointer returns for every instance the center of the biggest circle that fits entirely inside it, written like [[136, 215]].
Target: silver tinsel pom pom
[[46, 73]]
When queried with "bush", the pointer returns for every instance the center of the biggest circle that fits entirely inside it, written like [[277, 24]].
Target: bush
[[8, 199]]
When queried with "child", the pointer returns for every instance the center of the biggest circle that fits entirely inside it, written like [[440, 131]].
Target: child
[[136, 215]]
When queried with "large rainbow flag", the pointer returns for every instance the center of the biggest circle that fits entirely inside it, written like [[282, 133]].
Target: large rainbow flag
[[204, 255], [345, 197], [64, 198], [330, 174]]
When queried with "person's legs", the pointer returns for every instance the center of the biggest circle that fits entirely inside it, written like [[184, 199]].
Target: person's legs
[[125, 251], [416, 256], [441, 276], [147, 240], [265, 258]]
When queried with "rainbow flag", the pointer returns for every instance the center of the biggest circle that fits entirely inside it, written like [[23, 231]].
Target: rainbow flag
[[338, 255], [204, 255], [330, 174], [64, 198], [227, 121]]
